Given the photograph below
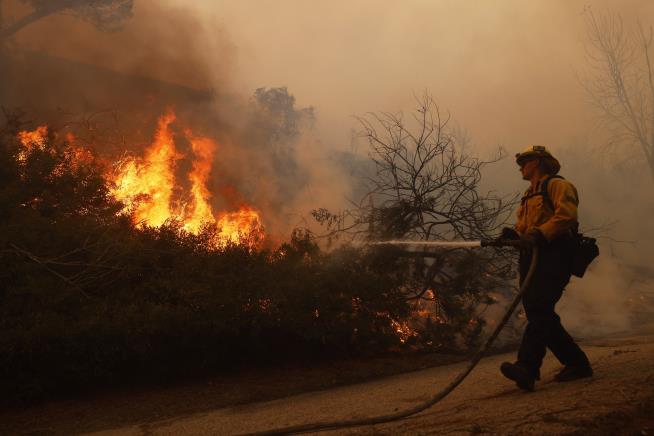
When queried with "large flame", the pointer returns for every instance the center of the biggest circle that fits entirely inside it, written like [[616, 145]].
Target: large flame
[[146, 185], [203, 149]]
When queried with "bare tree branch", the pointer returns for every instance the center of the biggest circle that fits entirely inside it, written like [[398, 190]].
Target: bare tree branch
[[35, 259], [620, 80], [424, 185]]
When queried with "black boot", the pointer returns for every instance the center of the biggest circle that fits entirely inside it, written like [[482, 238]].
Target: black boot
[[574, 372], [519, 374]]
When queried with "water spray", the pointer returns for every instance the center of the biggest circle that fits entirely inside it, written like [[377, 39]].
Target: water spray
[[452, 244]]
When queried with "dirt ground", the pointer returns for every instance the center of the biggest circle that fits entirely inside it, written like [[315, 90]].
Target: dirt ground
[[124, 406], [618, 400]]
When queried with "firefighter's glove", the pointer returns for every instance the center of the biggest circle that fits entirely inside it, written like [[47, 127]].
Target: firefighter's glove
[[533, 237], [509, 234]]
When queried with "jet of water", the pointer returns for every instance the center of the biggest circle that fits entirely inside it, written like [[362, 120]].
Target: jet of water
[[443, 244]]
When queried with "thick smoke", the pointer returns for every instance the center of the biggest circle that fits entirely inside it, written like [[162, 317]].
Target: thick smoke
[[166, 56], [600, 302]]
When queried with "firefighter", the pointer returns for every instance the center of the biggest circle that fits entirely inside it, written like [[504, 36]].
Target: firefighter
[[547, 217]]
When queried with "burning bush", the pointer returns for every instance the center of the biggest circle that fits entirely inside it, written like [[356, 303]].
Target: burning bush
[[146, 186], [90, 295], [125, 271]]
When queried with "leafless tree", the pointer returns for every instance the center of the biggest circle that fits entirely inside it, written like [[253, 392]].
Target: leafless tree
[[424, 184], [620, 80], [104, 14]]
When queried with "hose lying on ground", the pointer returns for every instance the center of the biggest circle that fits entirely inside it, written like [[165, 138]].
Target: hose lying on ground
[[333, 425]]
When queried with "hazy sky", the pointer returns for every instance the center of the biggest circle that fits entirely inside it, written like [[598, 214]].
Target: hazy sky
[[506, 69]]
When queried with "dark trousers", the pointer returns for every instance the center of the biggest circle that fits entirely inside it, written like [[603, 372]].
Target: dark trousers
[[544, 329]]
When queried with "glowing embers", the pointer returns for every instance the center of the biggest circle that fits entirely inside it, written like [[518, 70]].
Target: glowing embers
[[32, 140], [148, 187]]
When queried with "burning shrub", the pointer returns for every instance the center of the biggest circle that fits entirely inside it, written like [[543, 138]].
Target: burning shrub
[[108, 276], [88, 297], [146, 186], [52, 178]]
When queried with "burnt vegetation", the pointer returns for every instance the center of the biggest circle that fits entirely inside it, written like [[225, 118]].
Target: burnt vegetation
[[87, 299]]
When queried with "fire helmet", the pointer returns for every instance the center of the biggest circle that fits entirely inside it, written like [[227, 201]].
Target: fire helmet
[[551, 164]]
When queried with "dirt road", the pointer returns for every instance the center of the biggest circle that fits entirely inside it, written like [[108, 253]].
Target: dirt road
[[618, 400]]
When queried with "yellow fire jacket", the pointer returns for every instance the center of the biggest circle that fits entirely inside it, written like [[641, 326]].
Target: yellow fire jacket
[[535, 212]]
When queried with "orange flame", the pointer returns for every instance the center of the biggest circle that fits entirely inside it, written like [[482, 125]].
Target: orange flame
[[146, 186], [31, 140], [243, 225], [75, 157], [203, 148]]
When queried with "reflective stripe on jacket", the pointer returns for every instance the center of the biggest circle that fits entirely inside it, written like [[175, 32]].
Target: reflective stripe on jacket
[[535, 212]]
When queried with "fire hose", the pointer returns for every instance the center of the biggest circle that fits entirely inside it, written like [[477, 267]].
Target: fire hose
[[334, 425]]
